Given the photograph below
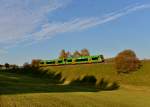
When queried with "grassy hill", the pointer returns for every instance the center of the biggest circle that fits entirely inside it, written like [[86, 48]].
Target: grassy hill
[[18, 90], [107, 71]]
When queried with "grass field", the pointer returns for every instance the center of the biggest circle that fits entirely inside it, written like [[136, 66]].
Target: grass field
[[107, 71], [17, 90]]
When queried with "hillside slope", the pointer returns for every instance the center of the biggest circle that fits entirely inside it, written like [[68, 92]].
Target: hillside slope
[[107, 71], [24, 91]]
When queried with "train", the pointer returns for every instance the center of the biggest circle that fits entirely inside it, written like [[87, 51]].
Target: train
[[71, 61]]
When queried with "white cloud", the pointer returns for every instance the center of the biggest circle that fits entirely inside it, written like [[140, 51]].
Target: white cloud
[[51, 29], [20, 19]]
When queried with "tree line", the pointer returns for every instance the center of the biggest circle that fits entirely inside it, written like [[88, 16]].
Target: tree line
[[8, 66], [63, 54]]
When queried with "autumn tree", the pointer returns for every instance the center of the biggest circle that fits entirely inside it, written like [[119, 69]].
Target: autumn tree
[[35, 62], [85, 52], [63, 54], [69, 55], [26, 65], [76, 54], [126, 61]]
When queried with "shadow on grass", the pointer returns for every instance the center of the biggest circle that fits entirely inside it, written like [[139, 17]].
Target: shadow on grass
[[47, 82]]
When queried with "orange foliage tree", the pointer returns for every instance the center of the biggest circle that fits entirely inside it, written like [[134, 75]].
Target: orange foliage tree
[[35, 62], [126, 61], [76, 54], [63, 54], [85, 52]]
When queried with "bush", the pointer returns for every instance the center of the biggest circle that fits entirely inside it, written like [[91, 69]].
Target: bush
[[126, 61]]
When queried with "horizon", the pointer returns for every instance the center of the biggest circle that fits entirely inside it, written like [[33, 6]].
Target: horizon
[[38, 29]]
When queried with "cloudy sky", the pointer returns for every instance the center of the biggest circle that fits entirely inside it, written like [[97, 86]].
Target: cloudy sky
[[39, 29]]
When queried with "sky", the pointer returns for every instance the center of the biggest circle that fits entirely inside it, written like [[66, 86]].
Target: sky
[[39, 29]]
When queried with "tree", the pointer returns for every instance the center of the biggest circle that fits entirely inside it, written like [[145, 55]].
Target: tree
[[26, 65], [126, 61], [85, 52], [69, 55], [14, 66], [6, 65], [76, 54], [63, 54], [35, 62]]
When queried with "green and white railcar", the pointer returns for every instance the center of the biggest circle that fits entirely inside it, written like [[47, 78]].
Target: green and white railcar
[[68, 61]]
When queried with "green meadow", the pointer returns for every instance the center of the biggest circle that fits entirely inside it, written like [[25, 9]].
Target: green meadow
[[18, 90]]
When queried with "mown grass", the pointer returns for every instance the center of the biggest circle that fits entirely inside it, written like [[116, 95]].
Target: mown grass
[[18, 90]]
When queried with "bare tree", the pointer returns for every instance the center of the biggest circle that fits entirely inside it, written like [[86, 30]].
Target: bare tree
[[63, 54], [85, 52], [76, 54], [69, 55]]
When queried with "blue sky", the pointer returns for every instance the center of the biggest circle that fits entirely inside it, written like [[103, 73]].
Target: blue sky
[[39, 29]]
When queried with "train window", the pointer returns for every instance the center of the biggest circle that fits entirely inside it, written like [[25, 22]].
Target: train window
[[52, 62], [69, 60], [77, 60], [80, 60], [84, 59], [60, 61], [95, 58]]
